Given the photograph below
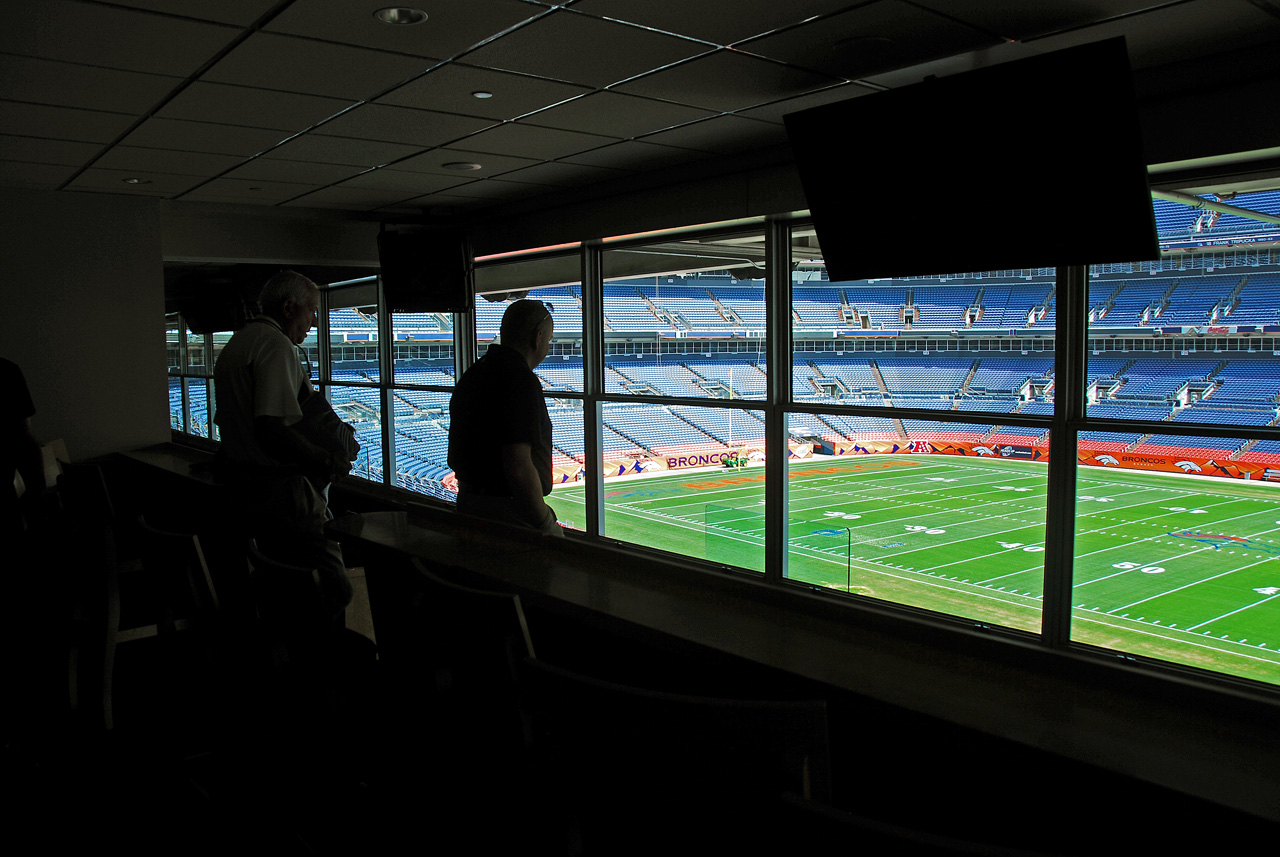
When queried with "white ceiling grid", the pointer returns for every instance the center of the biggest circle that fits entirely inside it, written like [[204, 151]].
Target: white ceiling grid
[[316, 103]]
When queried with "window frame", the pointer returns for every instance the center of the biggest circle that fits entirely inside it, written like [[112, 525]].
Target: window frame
[[1071, 343]]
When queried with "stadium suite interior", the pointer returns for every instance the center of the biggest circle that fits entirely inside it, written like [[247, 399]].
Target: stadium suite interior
[[134, 138]]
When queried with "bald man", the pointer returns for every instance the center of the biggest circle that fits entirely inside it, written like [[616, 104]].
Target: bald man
[[499, 430]]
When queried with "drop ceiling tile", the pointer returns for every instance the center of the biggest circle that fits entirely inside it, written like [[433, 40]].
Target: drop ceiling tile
[[239, 12], [449, 87], [297, 172], [167, 161], [411, 184], [245, 190], [723, 135], [42, 176], [616, 114], [43, 81], [581, 49], [778, 109], [389, 124], [1167, 34], [637, 155], [726, 81], [564, 174], [947, 66], [440, 204], [493, 190], [324, 149], [109, 36], [1023, 21], [722, 22], [359, 198], [62, 123], [451, 26], [156, 133], [157, 183], [515, 138], [255, 108], [490, 164], [38, 151], [871, 39], [272, 61]]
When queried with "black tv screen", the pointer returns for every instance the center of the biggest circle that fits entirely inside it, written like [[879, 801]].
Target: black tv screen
[[426, 271], [1032, 163]]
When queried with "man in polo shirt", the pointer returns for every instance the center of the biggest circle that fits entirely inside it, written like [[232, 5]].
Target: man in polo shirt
[[271, 468], [499, 430]]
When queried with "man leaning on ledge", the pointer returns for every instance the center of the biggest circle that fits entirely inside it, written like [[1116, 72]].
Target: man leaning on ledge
[[275, 473], [499, 429]]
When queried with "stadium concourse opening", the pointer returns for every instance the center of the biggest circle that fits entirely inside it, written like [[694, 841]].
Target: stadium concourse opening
[[912, 420]]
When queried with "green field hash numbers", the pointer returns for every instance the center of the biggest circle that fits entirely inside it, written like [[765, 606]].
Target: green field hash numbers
[[1137, 566]]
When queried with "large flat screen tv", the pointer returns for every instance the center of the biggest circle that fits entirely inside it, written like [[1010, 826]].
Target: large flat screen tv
[[426, 271], [1033, 163]]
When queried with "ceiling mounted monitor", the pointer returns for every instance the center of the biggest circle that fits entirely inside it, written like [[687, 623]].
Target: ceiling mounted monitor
[[1028, 164], [426, 271]]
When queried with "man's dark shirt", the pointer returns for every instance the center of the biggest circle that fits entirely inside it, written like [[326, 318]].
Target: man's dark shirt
[[498, 401]]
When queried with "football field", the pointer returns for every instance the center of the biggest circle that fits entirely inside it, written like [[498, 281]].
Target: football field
[[1181, 568]]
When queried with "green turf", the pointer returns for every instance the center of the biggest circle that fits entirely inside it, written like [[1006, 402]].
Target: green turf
[[1170, 567]]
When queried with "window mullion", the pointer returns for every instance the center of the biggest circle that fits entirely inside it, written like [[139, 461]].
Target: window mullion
[[777, 395], [593, 384], [1072, 298], [386, 341]]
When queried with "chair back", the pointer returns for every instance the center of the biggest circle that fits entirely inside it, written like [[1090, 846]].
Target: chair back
[[465, 643], [288, 597], [176, 566]]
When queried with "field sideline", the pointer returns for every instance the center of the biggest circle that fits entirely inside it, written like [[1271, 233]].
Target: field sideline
[[1179, 568]]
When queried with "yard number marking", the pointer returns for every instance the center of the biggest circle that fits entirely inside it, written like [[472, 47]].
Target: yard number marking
[[1145, 569]]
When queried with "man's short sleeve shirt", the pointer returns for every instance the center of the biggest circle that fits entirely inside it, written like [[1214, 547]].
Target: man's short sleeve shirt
[[499, 401], [258, 374]]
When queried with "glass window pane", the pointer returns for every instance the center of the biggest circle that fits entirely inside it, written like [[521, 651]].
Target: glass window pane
[[686, 318], [361, 407], [353, 343], [945, 518], [686, 479], [421, 424], [567, 457], [197, 360], [969, 342], [175, 404], [1176, 554], [173, 346], [422, 348], [197, 393]]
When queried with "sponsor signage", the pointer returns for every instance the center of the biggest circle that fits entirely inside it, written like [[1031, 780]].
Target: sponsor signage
[[1262, 238], [1173, 464], [934, 447]]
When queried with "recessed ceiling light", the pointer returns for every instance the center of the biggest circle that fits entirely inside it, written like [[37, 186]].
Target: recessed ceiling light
[[404, 15], [461, 166], [136, 181], [482, 94]]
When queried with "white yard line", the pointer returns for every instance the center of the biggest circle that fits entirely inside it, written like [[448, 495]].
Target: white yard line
[[1237, 610]]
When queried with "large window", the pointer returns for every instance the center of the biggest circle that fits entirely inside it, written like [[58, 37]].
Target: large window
[[1007, 450], [1178, 488], [190, 365]]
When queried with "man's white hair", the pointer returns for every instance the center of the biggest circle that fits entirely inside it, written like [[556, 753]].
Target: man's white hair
[[285, 286]]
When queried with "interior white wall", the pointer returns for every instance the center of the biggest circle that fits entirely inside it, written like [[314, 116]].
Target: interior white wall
[[83, 287]]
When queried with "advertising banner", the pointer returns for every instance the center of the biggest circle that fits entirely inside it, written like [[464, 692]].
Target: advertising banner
[[1176, 464], [940, 447]]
